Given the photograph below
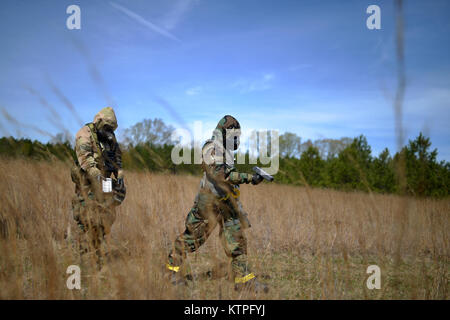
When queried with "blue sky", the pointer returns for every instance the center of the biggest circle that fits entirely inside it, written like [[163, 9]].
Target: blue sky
[[309, 67]]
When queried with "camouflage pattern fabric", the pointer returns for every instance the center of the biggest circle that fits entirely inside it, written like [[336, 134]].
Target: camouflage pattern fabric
[[95, 222], [89, 149], [217, 203], [92, 209]]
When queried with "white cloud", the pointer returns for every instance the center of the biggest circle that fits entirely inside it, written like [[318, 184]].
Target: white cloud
[[264, 82], [194, 91]]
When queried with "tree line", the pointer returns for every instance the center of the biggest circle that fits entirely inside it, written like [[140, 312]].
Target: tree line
[[354, 167], [343, 164]]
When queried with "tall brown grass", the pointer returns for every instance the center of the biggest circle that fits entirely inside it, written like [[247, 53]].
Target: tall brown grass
[[305, 243]]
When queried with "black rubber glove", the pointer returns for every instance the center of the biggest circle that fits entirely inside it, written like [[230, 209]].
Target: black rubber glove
[[120, 184], [256, 178]]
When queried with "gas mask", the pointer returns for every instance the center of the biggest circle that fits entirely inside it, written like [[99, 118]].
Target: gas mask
[[232, 139], [106, 134]]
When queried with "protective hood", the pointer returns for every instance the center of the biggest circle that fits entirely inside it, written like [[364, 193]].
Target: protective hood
[[228, 129], [227, 122], [106, 116]]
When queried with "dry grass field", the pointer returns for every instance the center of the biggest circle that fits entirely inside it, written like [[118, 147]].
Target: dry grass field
[[305, 243]]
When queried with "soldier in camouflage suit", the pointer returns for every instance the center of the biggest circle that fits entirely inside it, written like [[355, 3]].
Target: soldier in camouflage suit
[[217, 203], [98, 156]]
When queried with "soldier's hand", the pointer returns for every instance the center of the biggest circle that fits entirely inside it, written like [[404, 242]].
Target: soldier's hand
[[256, 178], [94, 173], [99, 179], [95, 178], [120, 174]]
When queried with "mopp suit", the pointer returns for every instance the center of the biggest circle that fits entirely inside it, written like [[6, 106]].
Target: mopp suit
[[98, 157], [217, 203]]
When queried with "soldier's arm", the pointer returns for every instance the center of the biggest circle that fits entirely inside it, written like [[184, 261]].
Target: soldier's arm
[[236, 177], [119, 162], [85, 153], [220, 172], [224, 175]]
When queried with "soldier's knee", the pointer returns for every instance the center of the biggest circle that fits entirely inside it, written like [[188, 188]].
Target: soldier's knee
[[193, 244], [232, 231], [195, 226]]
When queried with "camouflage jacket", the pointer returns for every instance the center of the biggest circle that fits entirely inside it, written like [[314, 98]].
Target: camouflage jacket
[[220, 176], [219, 188], [95, 157]]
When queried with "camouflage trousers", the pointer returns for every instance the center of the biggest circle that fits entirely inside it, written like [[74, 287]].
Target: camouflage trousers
[[199, 226], [94, 222]]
